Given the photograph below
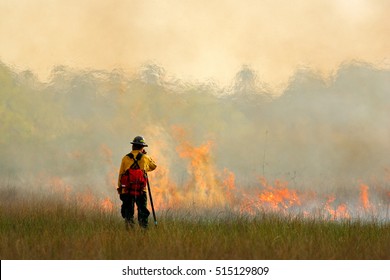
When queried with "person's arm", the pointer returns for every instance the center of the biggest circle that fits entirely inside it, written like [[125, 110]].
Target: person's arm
[[150, 165], [121, 171]]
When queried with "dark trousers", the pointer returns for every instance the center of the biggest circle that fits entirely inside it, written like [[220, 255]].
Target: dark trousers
[[127, 209]]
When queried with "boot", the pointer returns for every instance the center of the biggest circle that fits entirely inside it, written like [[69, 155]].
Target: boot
[[129, 223], [143, 223]]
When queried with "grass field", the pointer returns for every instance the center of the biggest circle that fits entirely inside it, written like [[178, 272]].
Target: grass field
[[49, 228]]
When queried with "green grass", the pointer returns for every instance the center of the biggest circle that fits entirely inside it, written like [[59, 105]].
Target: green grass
[[47, 228]]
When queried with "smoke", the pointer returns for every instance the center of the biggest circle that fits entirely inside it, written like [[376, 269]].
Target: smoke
[[320, 134], [199, 39]]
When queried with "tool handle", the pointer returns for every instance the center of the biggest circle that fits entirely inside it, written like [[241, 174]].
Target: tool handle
[[151, 200]]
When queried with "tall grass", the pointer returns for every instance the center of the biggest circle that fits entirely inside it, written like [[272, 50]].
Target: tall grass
[[34, 227]]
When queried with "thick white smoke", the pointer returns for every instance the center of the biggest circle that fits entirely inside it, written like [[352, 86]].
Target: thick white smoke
[[320, 134]]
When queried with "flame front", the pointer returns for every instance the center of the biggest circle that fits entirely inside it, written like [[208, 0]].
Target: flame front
[[207, 187]]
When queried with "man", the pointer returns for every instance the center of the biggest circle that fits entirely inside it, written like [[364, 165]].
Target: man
[[132, 183]]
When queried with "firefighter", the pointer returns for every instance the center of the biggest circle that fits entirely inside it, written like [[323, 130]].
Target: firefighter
[[132, 183]]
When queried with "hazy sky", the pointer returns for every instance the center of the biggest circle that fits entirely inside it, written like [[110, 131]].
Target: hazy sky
[[195, 39]]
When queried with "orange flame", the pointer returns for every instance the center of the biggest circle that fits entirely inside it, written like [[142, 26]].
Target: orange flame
[[340, 212], [278, 197], [364, 196], [229, 185], [203, 186], [107, 205]]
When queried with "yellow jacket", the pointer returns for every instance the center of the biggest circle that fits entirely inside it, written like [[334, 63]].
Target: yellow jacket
[[146, 163]]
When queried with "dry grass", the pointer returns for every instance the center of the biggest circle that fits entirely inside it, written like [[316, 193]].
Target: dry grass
[[46, 228]]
